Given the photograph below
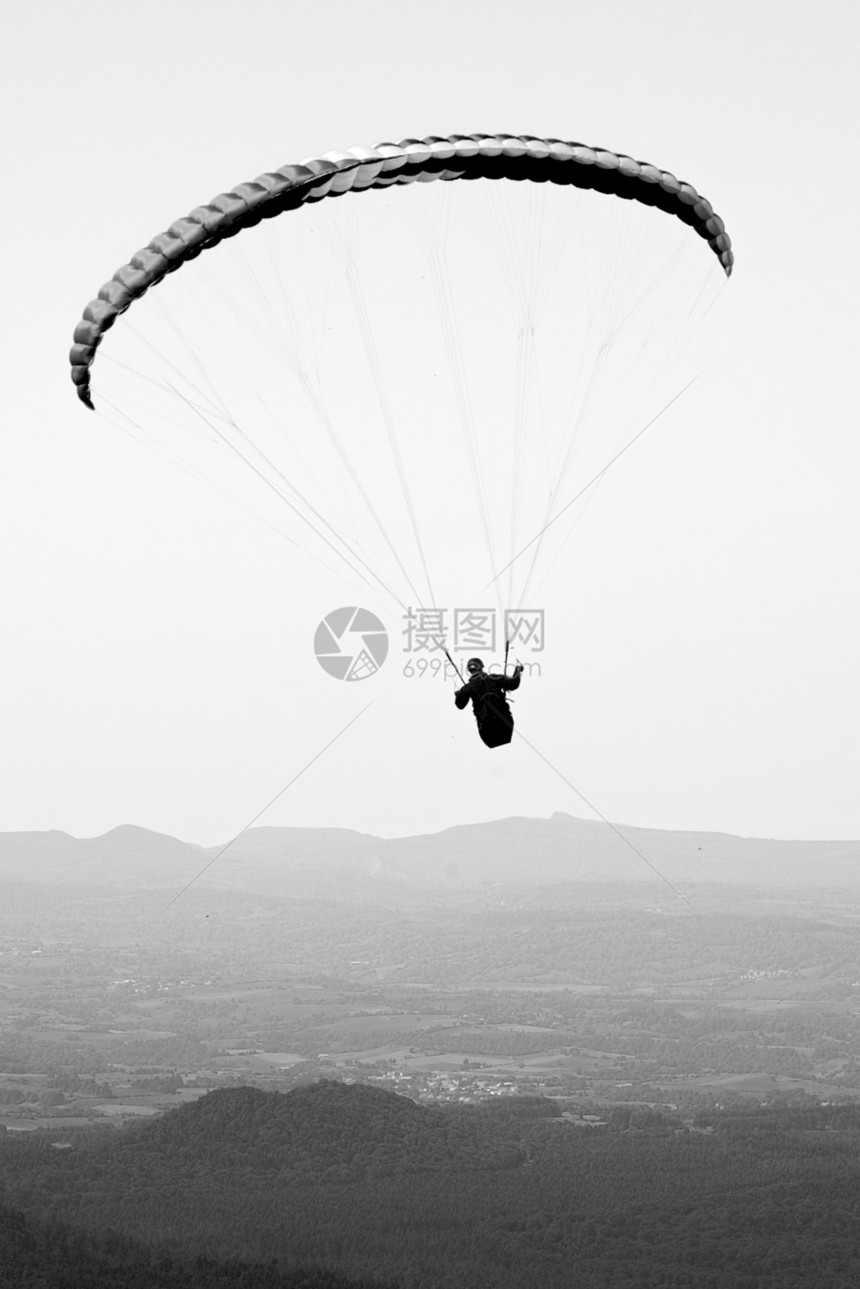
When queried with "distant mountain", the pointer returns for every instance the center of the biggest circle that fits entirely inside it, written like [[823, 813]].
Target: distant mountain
[[126, 858], [340, 864]]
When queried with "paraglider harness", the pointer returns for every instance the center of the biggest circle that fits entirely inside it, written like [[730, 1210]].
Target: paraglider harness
[[489, 702]]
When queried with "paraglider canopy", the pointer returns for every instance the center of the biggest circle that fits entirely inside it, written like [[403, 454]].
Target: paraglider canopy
[[455, 157], [418, 409]]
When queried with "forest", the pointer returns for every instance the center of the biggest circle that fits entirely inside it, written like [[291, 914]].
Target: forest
[[368, 1187]]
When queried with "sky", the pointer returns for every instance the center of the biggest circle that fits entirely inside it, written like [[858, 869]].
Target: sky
[[157, 650]]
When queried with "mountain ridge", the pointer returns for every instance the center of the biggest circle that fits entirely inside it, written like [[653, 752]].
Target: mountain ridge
[[518, 851]]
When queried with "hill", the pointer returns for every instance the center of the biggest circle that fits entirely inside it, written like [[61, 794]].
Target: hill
[[352, 1129], [331, 863]]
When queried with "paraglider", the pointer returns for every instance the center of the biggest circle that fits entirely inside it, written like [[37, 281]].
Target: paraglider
[[336, 384], [486, 692]]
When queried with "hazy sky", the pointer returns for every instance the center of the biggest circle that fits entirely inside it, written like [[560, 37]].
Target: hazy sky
[[157, 644]]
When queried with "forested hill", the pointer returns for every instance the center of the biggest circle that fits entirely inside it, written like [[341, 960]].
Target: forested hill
[[336, 1130]]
